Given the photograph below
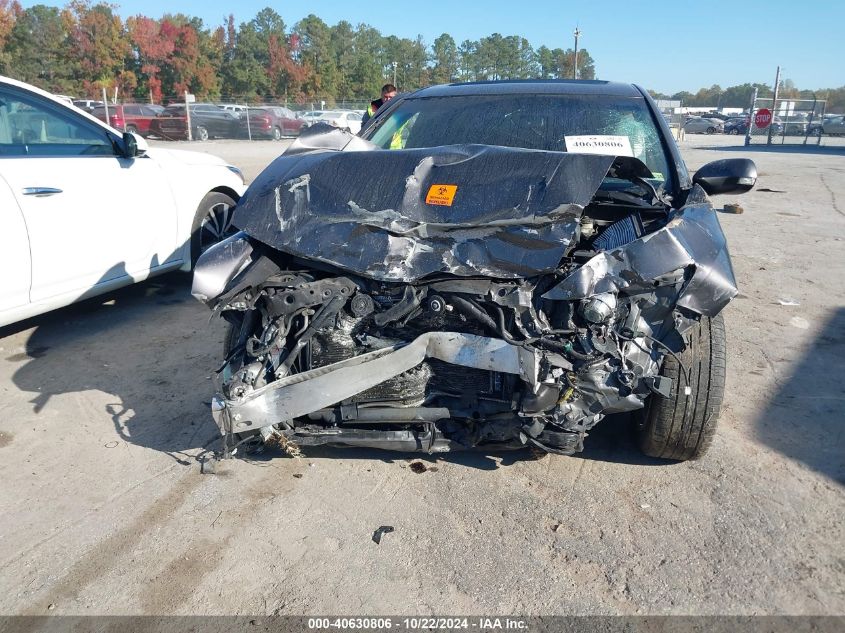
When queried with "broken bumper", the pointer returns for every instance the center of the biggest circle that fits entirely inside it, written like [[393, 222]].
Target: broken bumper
[[300, 394]]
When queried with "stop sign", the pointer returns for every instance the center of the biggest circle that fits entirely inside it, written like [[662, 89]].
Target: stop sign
[[763, 118]]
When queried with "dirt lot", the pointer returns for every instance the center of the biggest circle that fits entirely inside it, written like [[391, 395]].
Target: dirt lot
[[104, 409]]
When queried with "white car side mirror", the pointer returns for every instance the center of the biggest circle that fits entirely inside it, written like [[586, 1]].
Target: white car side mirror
[[141, 144]]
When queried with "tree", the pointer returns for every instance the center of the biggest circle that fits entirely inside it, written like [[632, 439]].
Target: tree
[[38, 50], [287, 78], [316, 57], [546, 62], [445, 57], [468, 60], [101, 46], [586, 64], [9, 12], [150, 51], [367, 71], [243, 73], [343, 51], [417, 65]]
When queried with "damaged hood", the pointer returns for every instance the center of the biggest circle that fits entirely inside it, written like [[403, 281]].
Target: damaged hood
[[402, 215]]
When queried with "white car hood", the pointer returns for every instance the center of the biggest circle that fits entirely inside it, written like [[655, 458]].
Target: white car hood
[[184, 157]]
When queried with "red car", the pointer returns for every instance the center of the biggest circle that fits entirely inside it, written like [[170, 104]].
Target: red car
[[129, 117], [270, 122]]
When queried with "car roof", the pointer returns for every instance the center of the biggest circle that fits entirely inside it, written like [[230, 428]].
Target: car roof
[[531, 87]]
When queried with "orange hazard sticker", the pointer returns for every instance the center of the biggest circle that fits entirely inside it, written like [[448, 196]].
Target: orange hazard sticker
[[441, 195]]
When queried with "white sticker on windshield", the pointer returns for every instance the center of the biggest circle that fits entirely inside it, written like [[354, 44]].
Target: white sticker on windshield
[[613, 145]]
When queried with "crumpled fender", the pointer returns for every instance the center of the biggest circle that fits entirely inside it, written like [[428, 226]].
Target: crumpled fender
[[692, 241]]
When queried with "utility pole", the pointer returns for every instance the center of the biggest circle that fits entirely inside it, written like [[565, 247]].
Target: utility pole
[[575, 67], [751, 110], [774, 105], [394, 73], [106, 106]]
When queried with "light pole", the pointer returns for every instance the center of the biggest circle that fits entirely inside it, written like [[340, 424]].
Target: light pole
[[575, 67], [394, 73]]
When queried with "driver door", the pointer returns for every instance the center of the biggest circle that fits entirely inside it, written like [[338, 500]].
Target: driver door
[[92, 216]]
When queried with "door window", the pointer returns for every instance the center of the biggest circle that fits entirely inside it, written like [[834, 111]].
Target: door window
[[33, 126]]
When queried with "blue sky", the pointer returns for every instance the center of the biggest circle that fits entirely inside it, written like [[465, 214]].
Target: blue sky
[[666, 46]]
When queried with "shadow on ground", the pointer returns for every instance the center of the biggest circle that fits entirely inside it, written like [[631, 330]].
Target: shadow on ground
[[149, 346], [804, 421]]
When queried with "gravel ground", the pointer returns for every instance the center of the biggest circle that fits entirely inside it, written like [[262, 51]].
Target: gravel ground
[[104, 409]]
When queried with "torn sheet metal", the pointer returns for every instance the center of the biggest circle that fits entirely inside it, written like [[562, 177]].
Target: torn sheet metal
[[691, 243], [219, 265], [300, 394], [513, 213], [322, 136]]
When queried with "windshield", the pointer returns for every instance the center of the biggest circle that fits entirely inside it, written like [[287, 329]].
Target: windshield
[[543, 122]]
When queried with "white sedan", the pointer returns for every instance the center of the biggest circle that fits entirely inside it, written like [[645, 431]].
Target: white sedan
[[348, 120], [86, 209]]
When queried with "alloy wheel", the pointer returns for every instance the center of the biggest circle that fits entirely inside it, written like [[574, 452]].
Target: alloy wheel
[[216, 225]]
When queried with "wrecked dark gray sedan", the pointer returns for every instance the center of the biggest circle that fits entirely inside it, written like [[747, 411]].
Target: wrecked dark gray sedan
[[489, 266]]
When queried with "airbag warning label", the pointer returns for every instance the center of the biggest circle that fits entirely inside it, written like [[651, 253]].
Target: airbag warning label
[[612, 145], [441, 195]]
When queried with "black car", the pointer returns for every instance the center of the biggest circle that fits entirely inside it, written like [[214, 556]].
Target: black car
[[207, 121], [491, 265], [736, 126]]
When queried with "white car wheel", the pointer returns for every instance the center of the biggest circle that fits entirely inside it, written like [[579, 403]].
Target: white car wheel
[[212, 223]]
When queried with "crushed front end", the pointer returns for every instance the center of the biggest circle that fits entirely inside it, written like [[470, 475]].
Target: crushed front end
[[521, 318]]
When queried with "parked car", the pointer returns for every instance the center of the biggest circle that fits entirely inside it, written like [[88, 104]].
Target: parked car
[[347, 120], [207, 121], [271, 122], [832, 126], [532, 257], [87, 105], [129, 117], [736, 126], [310, 117], [87, 209], [236, 109], [791, 126], [699, 125], [716, 115]]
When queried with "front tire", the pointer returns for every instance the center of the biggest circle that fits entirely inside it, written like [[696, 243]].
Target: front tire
[[711, 130], [277, 134], [202, 134], [212, 223], [682, 427]]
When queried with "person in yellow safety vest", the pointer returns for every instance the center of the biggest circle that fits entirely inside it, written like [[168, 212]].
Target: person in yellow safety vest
[[388, 91]]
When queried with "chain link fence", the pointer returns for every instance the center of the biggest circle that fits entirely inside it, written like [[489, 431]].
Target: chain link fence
[[672, 109], [787, 121], [183, 117]]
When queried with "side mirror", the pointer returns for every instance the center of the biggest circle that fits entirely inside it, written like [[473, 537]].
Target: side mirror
[[133, 145], [730, 175]]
